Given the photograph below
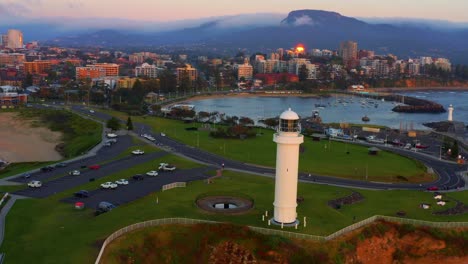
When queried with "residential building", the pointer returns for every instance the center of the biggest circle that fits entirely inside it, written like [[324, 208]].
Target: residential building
[[245, 70], [15, 39], [111, 69], [11, 59], [90, 72], [366, 54], [126, 83], [425, 60], [189, 71], [443, 63], [413, 68], [37, 67], [147, 70], [381, 68], [348, 51]]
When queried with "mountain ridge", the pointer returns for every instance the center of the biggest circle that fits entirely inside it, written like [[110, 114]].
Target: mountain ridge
[[315, 28]]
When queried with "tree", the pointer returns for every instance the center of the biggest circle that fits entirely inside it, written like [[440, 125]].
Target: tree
[[303, 73], [28, 81], [129, 123], [113, 123], [455, 150]]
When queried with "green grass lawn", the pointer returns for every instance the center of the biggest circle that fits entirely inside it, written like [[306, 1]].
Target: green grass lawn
[[63, 231], [17, 168], [319, 157]]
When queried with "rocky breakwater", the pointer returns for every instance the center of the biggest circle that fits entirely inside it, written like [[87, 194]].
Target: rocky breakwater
[[415, 105]]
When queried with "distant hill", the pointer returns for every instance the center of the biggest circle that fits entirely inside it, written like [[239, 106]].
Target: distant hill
[[314, 28]]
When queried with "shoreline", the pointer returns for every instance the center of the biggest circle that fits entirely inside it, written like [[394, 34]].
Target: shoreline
[[314, 95]]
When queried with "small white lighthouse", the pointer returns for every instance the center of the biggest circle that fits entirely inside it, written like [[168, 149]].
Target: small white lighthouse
[[450, 113], [288, 139]]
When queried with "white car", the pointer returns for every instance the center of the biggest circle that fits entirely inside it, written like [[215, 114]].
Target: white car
[[109, 185], [162, 134], [150, 138], [35, 184], [138, 152], [121, 182], [91, 111], [166, 167], [111, 135], [75, 172], [152, 173]]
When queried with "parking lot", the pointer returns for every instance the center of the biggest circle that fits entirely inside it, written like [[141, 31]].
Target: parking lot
[[138, 189]]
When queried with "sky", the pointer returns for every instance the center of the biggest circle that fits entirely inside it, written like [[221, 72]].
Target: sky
[[167, 10]]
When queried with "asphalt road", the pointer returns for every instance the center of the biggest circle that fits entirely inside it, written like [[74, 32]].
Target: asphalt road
[[67, 182], [446, 171]]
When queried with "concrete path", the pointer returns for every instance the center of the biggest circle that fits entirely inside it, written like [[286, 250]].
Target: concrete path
[[4, 213]]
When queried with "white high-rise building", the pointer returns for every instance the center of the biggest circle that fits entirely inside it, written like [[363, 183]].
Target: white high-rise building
[[15, 39], [287, 139], [150, 71]]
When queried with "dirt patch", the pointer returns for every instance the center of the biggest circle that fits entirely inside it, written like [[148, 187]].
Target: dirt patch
[[389, 243], [353, 198], [20, 141]]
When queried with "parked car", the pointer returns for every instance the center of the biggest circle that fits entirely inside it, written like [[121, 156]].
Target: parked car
[[107, 144], [138, 152], [112, 140], [26, 175], [111, 135], [104, 207], [91, 111], [433, 188], [163, 135], [152, 173], [82, 194], [122, 182], [94, 167], [75, 172], [35, 184], [47, 168], [61, 165], [109, 185], [138, 177], [166, 167]]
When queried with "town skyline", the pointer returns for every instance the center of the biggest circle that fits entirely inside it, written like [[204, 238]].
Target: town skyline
[[157, 11]]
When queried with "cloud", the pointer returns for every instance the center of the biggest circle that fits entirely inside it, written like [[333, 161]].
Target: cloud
[[75, 4], [304, 20], [262, 19], [8, 8]]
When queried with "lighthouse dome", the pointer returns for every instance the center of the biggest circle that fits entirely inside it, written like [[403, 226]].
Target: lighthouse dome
[[289, 115]]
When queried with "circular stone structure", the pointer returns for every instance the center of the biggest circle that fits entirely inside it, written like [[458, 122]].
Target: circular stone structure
[[225, 204]]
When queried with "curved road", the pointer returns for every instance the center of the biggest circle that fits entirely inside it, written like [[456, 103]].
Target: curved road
[[448, 176]]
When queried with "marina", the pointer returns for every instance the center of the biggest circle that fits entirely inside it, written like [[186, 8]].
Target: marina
[[341, 108]]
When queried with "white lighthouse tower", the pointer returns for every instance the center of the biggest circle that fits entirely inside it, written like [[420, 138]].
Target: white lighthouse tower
[[450, 113], [288, 139]]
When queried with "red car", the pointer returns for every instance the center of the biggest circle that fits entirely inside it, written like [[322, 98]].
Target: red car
[[433, 188], [94, 167]]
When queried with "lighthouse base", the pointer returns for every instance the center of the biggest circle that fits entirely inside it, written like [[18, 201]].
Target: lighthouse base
[[293, 224]]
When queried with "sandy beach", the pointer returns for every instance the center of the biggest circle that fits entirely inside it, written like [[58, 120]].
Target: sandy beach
[[232, 95], [21, 142], [307, 95]]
